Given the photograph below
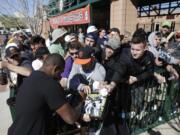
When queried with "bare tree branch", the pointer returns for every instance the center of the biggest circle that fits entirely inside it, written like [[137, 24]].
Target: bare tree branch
[[31, 10]]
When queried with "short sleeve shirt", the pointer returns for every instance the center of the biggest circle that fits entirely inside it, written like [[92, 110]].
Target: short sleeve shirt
[[38, 96]]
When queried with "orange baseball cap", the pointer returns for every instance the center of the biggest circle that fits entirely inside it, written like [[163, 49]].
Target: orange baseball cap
[[85, 55]]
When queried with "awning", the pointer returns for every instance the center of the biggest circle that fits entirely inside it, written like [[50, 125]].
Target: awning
[[79, 16]]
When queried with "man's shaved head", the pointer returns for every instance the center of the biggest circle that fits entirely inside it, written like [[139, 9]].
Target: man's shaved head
[[54, 60]]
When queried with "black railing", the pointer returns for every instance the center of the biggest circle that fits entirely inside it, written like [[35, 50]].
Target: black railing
[[153, 104]]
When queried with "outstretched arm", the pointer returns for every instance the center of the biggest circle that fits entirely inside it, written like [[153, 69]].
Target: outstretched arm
[[17, 69]]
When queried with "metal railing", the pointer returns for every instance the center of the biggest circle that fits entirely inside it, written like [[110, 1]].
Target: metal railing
[[153, 104], [61, 7]]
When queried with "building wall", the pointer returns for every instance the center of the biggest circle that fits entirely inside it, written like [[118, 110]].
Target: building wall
[[123, 15], [145, 22]]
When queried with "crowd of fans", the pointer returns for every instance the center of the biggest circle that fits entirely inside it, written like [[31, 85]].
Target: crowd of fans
[[40, 72]]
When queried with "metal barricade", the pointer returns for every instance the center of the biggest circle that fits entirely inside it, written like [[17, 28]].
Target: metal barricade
[[152, 104]]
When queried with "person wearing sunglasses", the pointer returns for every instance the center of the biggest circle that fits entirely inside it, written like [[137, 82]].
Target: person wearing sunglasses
[[14, 62], [17, 68], [71, 55]]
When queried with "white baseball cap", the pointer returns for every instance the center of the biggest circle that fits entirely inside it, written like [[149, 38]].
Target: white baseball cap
[[91, 29]]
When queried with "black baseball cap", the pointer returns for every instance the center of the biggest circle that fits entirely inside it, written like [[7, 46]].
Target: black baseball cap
[[91, 36], [11, 51], [85, 55]]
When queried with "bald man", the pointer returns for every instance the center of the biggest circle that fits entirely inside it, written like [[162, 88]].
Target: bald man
[[39, 95]]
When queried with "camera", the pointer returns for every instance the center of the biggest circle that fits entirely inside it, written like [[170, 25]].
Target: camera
[[3, 77], [164, 56]]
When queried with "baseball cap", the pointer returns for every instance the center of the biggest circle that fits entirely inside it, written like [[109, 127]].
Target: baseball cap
[[11, 44], [71, 37], [67, 38], [91, 29], [11, 51], [91, 36], [167, 24], [84, 56], [113, 42]]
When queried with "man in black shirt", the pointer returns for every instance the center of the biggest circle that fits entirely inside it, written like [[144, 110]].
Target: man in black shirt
[[40, 94], [133, 65], [136, 64]]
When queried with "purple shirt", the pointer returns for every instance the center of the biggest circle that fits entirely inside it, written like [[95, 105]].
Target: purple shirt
[[68, 66]]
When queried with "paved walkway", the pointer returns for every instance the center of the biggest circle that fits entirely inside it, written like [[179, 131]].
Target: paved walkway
[[170, 128], [5, 117]]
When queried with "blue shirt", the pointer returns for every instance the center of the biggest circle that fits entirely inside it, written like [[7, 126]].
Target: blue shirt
[[68, 66]]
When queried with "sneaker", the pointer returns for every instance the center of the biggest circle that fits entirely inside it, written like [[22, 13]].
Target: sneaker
[[11, 101]]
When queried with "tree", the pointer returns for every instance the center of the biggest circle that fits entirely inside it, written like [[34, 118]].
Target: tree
[[11, 22], [30, 12]]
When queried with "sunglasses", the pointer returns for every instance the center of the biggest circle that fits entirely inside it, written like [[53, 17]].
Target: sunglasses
[[14, 56], [73, 53]]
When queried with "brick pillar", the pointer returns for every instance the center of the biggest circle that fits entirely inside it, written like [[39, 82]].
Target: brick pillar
[[123, 15]]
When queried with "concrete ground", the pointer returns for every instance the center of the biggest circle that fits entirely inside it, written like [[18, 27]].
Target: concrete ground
[[5, 117], [171, 128]]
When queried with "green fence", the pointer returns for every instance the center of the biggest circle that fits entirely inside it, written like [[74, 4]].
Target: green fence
[[153, 104]]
